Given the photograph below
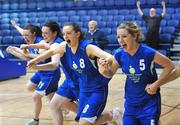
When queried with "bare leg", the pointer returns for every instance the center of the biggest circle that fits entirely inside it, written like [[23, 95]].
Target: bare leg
[[72, 106], [50, 96], [31, 86], [56, 104], [37, 104], [105, 117]]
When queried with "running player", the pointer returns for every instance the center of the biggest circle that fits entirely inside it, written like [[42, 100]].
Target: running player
[[142, 89], [45, 82], [32, 34], [81, 58]]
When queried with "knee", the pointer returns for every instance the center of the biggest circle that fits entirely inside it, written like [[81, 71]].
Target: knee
[[30, 87], [36, 98], [54, 106]]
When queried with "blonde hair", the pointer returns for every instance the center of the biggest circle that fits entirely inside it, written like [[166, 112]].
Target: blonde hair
[[133, 29]]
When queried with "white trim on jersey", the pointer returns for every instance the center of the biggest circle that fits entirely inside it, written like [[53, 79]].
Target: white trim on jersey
[[151, 67], [93, 63]]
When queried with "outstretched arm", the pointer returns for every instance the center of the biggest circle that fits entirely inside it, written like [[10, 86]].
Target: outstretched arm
[[94, 51], [18, 28], [138, 3], [41, 45], [164, 9], [104, 60], [53, 65], [55, 49], [108, 67]]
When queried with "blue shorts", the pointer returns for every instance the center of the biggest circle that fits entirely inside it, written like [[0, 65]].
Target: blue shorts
[[92, 104], [36, 78], [66, 91], [46, 83], [146, 114]]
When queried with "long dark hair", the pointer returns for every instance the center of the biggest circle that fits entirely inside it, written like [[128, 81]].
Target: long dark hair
[[54, 27], [34, 29]]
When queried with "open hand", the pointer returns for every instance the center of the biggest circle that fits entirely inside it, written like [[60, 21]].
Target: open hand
[[138, 3], [13, 22]]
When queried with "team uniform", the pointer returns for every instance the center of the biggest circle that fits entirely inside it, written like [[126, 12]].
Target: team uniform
[[47, 81], [70, 86], [140, 107], [93, 86], [33, 50]]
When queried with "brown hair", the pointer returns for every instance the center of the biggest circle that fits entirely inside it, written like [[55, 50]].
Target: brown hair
[[133, 29], [76, 28], [54, 27], [34, 29]]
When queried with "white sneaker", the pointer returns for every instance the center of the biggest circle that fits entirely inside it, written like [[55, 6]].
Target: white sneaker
[[33, 122], [117, 116]]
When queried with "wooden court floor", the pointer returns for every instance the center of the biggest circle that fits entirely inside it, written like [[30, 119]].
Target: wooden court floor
[[16, 103]]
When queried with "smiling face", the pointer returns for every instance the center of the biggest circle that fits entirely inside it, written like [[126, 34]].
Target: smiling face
[[47, 34], [125, 39], [129, 36]]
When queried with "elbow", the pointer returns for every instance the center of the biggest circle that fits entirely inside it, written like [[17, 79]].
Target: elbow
[[55, 66], [171, 66], [106, 74]]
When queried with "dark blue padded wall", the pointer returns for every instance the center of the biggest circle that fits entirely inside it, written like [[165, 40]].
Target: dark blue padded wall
[[11, 69]]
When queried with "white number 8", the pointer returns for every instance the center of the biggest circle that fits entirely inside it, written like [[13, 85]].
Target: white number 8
[[82, 65]]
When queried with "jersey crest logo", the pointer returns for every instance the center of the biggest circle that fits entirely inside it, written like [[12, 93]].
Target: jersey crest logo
[[74, 65], [131, 70]]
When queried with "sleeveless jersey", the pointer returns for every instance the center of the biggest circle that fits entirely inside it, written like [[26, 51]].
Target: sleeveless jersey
[[57, 40], [90, 78], [140, 71]]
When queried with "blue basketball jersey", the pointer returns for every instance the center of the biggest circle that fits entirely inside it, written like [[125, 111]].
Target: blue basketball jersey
[[71, 75], [57, 40], [33, 50], [90, 78], [140, 71]]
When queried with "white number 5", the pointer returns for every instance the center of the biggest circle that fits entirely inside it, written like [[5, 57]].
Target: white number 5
[[141, 64]]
